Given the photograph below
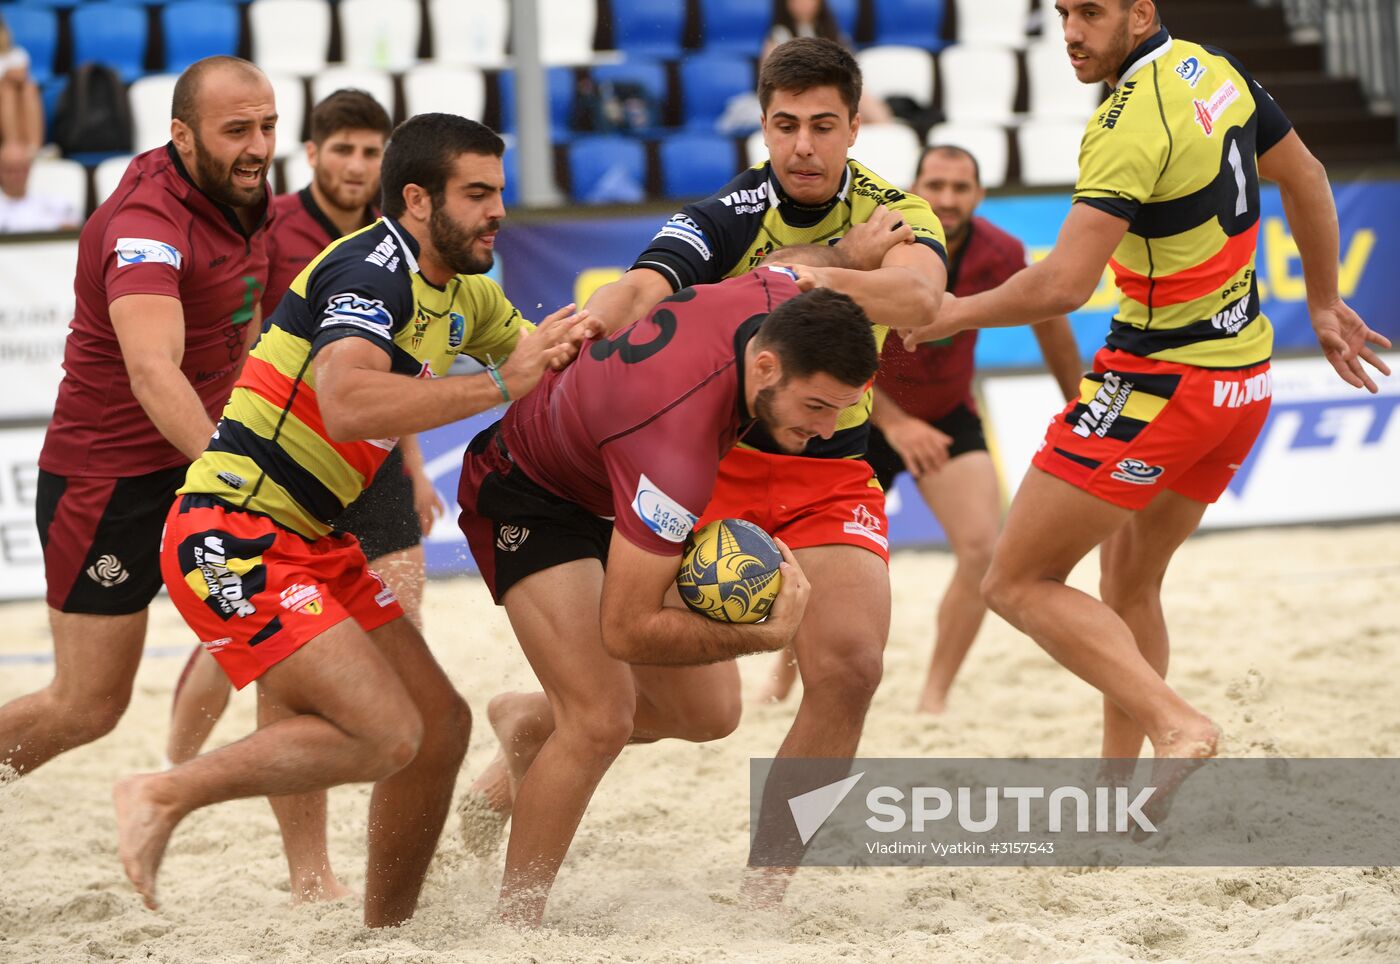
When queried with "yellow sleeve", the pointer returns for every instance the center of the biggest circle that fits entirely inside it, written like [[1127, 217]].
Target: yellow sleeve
[[1124, 151], [922, 221], [496, 323]]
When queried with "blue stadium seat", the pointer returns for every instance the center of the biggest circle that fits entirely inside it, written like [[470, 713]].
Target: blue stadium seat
[[647, 74], [708, 81], [36, 30], [560, 83], [113, 34], [645, 28], [734, 26], [914, 23], [694, 164], [195, 29], [607, 169], [56, 4], [510, 167], [846, 12]]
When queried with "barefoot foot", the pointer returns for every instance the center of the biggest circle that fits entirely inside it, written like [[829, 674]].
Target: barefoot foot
[[1180, 754], [144, 825], [317, 888]]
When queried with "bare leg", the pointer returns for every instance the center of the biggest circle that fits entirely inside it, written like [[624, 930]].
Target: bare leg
[[1051, 527], [95, 661], [201, 696], [965, 497], [355, 722], [408, 808], [840, 651], [404, 571], [782, 673]]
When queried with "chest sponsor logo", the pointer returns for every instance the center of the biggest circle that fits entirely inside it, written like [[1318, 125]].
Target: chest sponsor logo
[[661, 513], [682, 228], [1233, 318], [302, 598], [511, 538], [1116, 103], [108, 571], [1105, 407], [867, 187], [1191, 70], [349, 308], [1209, 111], [384, 255], [1237, 394], [867, 524], [1138, 472], [456, 330], [218, 261], [748, 201], [145, 251]]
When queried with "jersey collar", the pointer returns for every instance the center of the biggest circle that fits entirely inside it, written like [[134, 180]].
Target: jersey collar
[[742, 336], [406, 241], [1149, 50], [308, 202], [229, 214], [803, 215]]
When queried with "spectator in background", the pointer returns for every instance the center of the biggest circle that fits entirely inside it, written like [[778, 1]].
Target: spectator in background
[[21, 134]]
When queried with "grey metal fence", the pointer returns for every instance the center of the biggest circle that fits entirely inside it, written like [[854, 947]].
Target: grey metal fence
[[1361, 39]]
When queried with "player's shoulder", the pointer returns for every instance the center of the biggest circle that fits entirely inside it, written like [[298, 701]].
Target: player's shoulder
[[997, 241], [285, 206], [376, 260], [746, 193], [867, 185], [483, 295]]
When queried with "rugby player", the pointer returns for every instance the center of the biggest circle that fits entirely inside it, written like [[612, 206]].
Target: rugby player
[[576, 507], [1168, 196], [350, 358], [170, 268]]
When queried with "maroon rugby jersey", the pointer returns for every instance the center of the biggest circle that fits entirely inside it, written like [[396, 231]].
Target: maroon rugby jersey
[[931, 381], [157, 234], [302, 232], [636, 426]]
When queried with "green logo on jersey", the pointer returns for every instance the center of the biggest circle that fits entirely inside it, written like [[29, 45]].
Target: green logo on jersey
[[253, 289]]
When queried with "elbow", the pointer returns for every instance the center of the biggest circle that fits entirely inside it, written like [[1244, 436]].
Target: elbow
[[1064, 295], [619, 642], [340, 423]]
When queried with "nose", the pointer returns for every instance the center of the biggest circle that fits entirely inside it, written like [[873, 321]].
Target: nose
[[803, 144], [263, 144], [1074, 33], [827, 426]]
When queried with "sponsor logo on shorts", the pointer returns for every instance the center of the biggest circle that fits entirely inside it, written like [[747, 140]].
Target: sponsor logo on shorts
[[684, 229], [348, 308], [301, 598], [145, 251], [1138, 472], [385, 596], [510, 538], [228, 570], [108, 571], [384, 255], [1191, 70], [216, 645], [661, 513], [1209, 111], [1105, 407], [1256, 388], [866, 523]]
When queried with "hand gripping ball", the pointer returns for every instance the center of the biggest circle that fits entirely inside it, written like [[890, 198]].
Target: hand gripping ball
[[730, 571]]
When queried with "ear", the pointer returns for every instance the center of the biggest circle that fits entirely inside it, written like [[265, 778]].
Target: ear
[[766, 370], [183, 136], [313, 154], [418, 203], [855, 129]]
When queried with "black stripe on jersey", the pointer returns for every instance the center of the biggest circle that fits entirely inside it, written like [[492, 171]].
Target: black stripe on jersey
[[279, 466], [1164, 219], [1227, 323], [1162, 386], [1081, 460], [847, 443]]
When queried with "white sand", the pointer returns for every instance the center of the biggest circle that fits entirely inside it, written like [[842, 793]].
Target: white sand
[[1290, 639]]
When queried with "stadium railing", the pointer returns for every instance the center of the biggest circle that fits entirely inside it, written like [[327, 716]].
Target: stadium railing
[[1361, 39]]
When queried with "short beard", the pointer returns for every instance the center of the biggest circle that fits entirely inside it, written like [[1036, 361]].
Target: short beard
[[218, 184], [454, 244], [334, 197], [765, 412]]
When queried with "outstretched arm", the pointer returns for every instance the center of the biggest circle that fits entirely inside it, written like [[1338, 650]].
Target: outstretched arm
[[621, 302], [1312, 217]]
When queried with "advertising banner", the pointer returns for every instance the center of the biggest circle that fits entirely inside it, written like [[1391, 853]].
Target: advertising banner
[[36, 278]]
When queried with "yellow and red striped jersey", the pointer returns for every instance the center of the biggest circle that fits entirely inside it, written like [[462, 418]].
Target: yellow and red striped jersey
[[271, 453], [1174, 152]]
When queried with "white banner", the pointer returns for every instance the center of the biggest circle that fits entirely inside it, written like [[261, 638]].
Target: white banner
[[37, 307], [1328, 451], [21, 556]]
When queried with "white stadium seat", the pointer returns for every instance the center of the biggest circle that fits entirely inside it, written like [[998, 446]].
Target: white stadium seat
[[291, 111], [890, 150], [377, 83], [754, 149], [469, 33], [1000, 22], [107, 176], [380, 33], [296, 173], [986, 142], [441, 87], [893, 70], [290, 36], [63, 180], [1049, 152], [150, 98], [979, 83], [566, 30], [1055, 92]]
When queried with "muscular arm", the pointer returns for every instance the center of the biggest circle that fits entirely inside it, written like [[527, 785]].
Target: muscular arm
[[907, 286], [628, 298], [638, 628], [1312, 217], [1061, 353], [151, 332]]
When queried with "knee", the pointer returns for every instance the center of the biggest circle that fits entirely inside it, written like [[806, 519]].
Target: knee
[[88, 715], [450, 733], [1000, 592], [1122, 594], [975, 558], [595, 734], [846, 678], [718, 718], [395, 744]]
